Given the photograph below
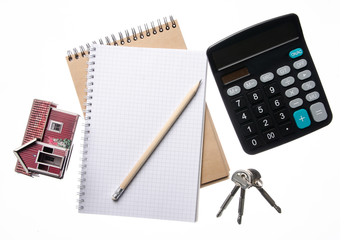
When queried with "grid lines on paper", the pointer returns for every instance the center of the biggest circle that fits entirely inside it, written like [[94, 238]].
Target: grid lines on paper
[[135, 92]]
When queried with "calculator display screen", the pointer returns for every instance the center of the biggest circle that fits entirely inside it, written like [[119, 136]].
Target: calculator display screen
[[254, 44], [238, 74]]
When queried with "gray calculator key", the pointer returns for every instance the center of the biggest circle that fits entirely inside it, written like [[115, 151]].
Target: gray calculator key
[[283, 70], [304, 75], [287, 81], [318, 112], [266, 77], [296, 103], [291, 92], [233, 91], [252, 83], [308, 85], [300, 64], [312, 96]]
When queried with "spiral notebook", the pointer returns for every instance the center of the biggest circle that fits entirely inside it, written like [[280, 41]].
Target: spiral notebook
[[128, 102], [162, 34]]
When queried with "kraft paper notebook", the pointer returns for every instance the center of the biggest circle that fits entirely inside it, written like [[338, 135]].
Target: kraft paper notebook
[[128, 102], [162, 35]]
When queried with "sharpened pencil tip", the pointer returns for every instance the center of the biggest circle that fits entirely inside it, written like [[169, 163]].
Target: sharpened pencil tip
[[198, 83]]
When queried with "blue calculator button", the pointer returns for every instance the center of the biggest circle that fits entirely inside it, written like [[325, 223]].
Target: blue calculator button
[[302, 118], [296, 53]]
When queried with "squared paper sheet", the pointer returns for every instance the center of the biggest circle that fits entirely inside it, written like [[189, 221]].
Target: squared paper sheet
[[135, 91]]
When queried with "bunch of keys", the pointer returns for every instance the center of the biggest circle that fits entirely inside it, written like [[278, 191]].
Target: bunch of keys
[[245, 179]]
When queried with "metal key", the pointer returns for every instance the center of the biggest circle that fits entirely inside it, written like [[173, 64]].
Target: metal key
[[228, 200], [256, 182], [241, 206], [243, 179]]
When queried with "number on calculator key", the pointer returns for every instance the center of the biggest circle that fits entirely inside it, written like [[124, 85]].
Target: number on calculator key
[[238, 103]]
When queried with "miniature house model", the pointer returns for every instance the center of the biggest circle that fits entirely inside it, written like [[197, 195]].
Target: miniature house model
[[47, 143]]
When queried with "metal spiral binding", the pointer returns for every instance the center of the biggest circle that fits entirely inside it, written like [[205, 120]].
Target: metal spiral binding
[[125, 38], [87, 125]]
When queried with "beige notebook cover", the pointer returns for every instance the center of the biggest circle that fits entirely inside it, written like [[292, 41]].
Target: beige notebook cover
[[162, 35]]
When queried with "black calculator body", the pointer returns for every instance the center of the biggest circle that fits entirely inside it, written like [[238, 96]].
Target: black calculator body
[[269, 84]]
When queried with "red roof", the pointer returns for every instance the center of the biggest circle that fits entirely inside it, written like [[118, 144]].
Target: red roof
[[36, 125]]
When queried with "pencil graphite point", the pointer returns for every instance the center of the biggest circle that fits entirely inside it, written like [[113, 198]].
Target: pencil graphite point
[[199, 83], [196, 87]]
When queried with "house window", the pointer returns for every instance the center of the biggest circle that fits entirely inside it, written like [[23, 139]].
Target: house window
[[55, 126], [48, 150], [49, 159]]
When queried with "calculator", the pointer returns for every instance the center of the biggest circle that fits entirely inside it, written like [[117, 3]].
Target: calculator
[[269, 84]]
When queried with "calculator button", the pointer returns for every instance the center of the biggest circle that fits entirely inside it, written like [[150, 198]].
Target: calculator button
[[308, 85], [281, 116], [238, 103], [276, 103], [318, 112], [287, 128], [304, 75], [287, 81], [300, 64], [296, 53], [266, 77], [265, 123], [270, 135], [252, 83], [296, 103], [254, 142], [233, 91], [301, 118], [248, 129], [260, 110], [255, 96], [291, 92], [312, 96], [283, 70], [243, 116], [272, 90]]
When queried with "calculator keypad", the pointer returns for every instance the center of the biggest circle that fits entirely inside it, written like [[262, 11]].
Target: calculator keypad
[[277, 103]]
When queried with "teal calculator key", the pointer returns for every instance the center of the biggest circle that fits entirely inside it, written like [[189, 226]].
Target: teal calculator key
[[302, 118], [296, 53]]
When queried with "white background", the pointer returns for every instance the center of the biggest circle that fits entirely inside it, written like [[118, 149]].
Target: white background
[[304, 177]]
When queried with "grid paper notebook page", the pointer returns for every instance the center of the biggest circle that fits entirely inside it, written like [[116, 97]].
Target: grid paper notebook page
[[134, 92]]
